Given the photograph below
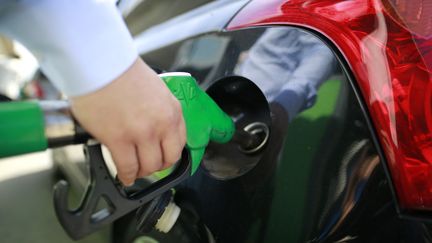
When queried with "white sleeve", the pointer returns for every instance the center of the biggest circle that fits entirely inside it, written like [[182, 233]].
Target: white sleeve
[[81, 45]]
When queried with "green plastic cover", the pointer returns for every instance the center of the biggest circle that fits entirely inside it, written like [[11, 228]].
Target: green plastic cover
[[205, 121], [21, 128]]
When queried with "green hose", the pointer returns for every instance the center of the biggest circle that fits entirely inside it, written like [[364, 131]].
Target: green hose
[[21, 128]]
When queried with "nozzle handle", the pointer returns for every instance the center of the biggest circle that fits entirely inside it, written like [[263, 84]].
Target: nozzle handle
[[85, 220], [204, 120]]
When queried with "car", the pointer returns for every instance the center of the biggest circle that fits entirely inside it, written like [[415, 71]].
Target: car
[[341, 94]]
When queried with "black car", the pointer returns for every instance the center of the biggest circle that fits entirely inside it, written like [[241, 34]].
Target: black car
[[341, 92]]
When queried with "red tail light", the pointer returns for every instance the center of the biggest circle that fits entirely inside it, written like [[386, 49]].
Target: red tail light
[[388, 46], [416, 15]]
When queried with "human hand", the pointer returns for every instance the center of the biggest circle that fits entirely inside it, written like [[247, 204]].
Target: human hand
[[138, 119]]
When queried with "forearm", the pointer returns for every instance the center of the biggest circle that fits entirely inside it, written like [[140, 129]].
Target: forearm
[[82, 45]]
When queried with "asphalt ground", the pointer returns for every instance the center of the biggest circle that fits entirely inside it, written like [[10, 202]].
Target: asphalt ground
[[26, 207]]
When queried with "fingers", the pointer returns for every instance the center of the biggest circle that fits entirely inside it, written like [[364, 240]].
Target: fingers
[[159, 155], [171, 150], [126, 160], [149, 153], [150, 157], [174, 142], [144, 132]]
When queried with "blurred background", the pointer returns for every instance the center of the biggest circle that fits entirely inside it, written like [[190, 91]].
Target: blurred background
[[26, 182], [26, 207]]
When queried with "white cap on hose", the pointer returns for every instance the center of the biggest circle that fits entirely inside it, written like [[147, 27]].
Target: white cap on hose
[[168, 218]]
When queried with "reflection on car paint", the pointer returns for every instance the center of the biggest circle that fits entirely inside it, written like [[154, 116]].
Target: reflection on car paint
[[289, 65]]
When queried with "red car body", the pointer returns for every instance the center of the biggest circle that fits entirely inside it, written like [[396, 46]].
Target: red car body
[[388, 47]]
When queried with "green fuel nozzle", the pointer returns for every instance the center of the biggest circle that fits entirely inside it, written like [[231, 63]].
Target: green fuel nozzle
[[30, 126], [205, 121]]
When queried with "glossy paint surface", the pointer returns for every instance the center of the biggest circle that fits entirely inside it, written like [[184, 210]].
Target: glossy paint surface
[[392, 67], [319, 178], [210, 17]]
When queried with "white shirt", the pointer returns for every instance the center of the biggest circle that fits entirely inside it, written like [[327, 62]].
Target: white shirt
[[81, 45]]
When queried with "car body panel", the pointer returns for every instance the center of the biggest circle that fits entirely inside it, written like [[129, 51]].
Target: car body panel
[[391, 67], [210, 17], [321, 177], [315, 180]]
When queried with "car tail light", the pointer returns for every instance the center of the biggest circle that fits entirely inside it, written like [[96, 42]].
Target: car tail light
[[388, 46], [412, 95], [416, 15]]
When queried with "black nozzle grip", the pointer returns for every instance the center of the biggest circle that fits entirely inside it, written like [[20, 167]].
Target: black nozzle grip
[[84, 220]]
